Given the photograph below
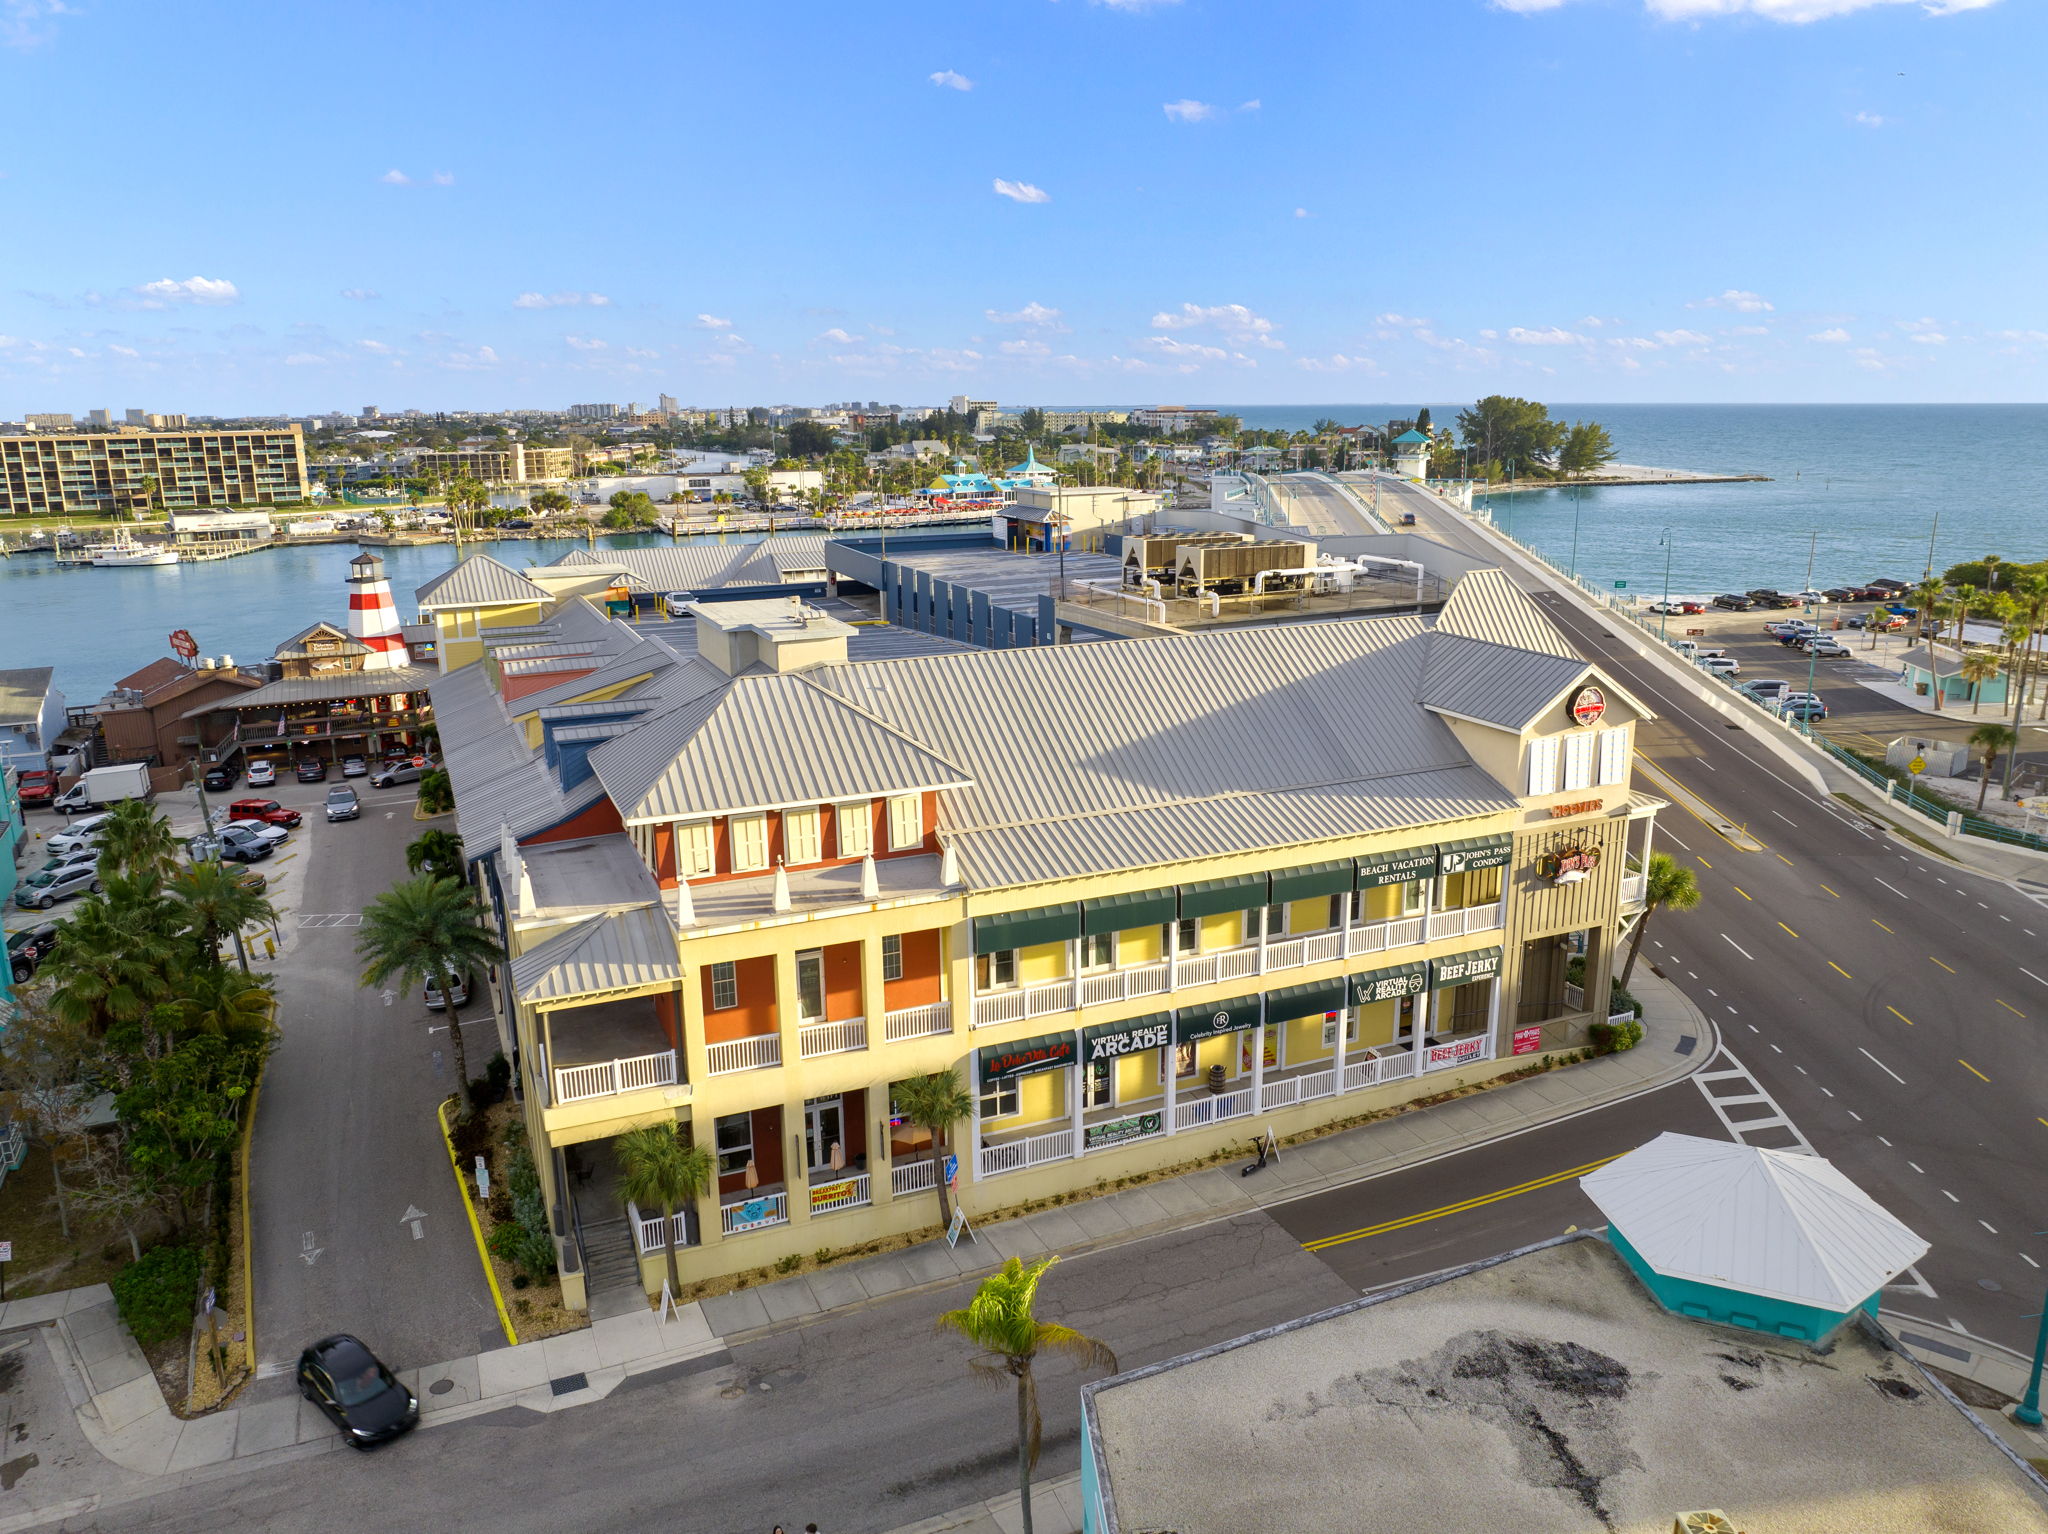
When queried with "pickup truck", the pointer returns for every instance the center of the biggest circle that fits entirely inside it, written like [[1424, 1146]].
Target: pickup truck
[[38, 787]]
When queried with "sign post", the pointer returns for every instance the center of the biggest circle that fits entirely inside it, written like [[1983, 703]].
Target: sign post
[[6, 1256], [958, 1228]]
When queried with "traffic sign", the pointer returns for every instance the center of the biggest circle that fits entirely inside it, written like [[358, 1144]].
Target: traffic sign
[[1621, 585], [1917, 766], [6, 1251]]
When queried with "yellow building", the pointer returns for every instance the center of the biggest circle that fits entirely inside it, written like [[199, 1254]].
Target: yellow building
[[514, 463], [136, 471], [1147, 898]]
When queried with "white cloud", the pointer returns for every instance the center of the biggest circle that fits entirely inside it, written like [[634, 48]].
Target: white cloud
[[193, 290], [1172, 348], [1633, 343], [950, 79], [1399, 321], [395, 177], [1550, 335], [1736, 299], [1929, 338], [1748, 330], [462, 361], [1034, 315], [1833, 336], [446, 178], [645, 353], [1792, 12], [375, 348], [129, 351], [1131, 6], [712, 322], [30, 23], [1336, 362], [1021, 191], [1235, 321], [1301, 213], [1025, 348], [560, 300], [1868, 119], [1682, 337], [1186, 111], [361, 295], [1250, 106], [840, 337], [586, 343], [1870, 359]]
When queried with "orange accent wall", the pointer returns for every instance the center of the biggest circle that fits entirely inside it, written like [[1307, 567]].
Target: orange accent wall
[[923, 968], [842, 982], [853, 1114], [515, 687], [601, 819], [665, 856], [665, 1014], [755, 1013], [768, 1152]]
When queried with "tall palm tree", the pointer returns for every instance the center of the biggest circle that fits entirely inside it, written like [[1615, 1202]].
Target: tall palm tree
[[1000, 1321], [1667, 882], [212, 902], [429, 929], [223, 1001], [1989, 740], [137, 840], [435, 852], [658, 1169], [1979, 667], [113, 959], [935, 1102]]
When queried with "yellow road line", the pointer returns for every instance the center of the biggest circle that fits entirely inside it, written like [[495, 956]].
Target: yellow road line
[[1326, 1242], [1973, 1070], [1745, 894], [1702, 861], [1895, 1012], [482, 1252], [1932, 960], [1837, 896], [1788, 929], [2015, 1011], [1881, 924], [1782, 859], [1839, 970]]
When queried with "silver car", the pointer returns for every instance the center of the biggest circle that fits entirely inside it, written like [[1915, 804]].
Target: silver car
[[342, 804], [40, 891]]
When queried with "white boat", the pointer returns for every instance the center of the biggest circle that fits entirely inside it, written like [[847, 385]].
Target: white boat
[[119, 554]]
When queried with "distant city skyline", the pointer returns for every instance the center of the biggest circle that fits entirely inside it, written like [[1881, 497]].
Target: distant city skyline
[[1132, 202]]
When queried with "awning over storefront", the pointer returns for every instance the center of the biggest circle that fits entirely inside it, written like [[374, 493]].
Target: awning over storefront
[[1121, 913], [1216, 897], [1216, 1017], [1397, 867], [1047, 1052], [1027, 929], [1390, 984], [1479, 852], [1310, 1000], [1305, 883], [1461, 968], [1134, 1035]]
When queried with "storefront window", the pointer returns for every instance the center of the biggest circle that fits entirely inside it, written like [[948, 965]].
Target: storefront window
[[735, 1142], [999, 1101], [995, 971]]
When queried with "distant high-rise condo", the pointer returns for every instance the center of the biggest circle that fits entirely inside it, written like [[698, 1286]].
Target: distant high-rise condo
[[62, 471], [593, 412]]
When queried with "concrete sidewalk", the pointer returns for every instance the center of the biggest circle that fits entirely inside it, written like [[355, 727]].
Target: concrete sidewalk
[[1677, 1040], [1055, 1509]]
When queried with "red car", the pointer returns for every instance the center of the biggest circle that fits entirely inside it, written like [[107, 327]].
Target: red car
[[37, 787], [264, 809]]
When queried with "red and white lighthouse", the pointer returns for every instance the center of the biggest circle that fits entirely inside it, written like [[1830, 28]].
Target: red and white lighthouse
[[372, 619]]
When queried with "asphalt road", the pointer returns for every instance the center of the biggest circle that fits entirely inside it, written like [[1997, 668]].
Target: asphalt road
[[1889, 999], [346, 1141]]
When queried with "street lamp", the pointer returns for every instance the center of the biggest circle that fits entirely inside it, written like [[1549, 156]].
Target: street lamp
[[1664, 616], [2028, 1412], [1575, 532]]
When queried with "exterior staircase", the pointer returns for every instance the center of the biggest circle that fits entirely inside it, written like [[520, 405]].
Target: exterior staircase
[[609, 1261]]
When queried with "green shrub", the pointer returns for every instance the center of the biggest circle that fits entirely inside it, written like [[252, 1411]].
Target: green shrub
[[525, 1240], [788, 1264], [158, 1295]]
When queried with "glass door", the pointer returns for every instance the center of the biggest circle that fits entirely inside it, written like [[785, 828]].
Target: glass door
[[824, 1125]]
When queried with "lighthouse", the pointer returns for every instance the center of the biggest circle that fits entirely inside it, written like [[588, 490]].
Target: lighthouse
[[372, 620]]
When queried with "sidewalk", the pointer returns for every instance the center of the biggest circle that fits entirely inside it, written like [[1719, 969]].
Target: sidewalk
[[1055, 1509]]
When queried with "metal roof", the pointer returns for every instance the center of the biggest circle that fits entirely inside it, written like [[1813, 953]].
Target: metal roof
[[622, 951], [1778, 1223], [22, 692], [478, 581], [1487, 604], [1491, 683], [314, 689], [708, 566]]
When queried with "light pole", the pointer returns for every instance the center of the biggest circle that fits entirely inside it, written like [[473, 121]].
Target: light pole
[[1575, 532], [1665, 616], [2028, 1412]]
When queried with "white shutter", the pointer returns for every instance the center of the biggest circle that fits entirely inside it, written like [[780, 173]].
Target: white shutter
[[906, 821], [696, 849], [1543, 765], [802, 840], [749, 842], [854, 828], [1578, 761], [1613, 757]]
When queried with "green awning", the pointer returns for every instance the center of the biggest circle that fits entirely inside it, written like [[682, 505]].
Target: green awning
[[1134, 1035], [1305, 883], [1310, 1000], [1397, 867], [1047, 1052], [1389, 984], [1027, 929], [1215, 897], [1215, 1017], [1479, 852], [1459, 968], [1121, 913]]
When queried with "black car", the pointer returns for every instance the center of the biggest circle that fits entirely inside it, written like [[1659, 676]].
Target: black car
[[1843, 593], [311, 770], [518, 523], [1733, 603], [222, 777], [27, 948], [356, 1392]]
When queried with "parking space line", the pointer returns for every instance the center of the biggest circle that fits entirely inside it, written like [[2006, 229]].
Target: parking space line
[[1895, 1012], [2015, 1011], [1932, 960], [1973, 1070]]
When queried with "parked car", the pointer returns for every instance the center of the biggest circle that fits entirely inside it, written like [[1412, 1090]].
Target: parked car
[[311, 770], [268, 810], [1809, 711], [38, 892], [396, 772], [1722, 666], [1826, 648], [252, 881], [27, 949], [1667, 607], [433, 993], [353, 1390], [1889, 586], [1766, 689], [238, 842], [79, 834], [1730, 601], [354, 767], [220, 778], [1797, 699], [262, 774], [57, 860], [1798, 638], [36, 786], [342, 804], [520, 523], [1843, 594]]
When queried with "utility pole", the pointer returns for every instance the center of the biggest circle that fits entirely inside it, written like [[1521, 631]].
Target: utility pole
[[1664, 616], [2028, 1412]]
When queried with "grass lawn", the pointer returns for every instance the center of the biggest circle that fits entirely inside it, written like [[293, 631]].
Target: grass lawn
[[43, 1259]]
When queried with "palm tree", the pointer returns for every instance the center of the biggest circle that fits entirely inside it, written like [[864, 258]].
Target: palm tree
[[999, 1321], [1667, 883], [113, 958], [429, 929], [436, 792], [1979, 667], [223, 1001], [137, 840], [935, 1102], [1990, 739], [213, 901], [658, 1169], [435, 852]]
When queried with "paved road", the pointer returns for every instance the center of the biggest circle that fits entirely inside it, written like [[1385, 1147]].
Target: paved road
[[1319, 505], [1892, 1002], [345, 1135]]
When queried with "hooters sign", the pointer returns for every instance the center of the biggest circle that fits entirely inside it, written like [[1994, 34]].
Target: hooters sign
[[1587, 705]]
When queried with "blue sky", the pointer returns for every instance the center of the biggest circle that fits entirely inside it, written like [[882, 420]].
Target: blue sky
[[217, 206]]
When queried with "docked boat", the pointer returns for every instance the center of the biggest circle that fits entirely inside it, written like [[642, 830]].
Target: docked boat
[[124, 552]]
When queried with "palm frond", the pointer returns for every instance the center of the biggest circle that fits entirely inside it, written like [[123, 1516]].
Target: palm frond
[[1089, 1352]]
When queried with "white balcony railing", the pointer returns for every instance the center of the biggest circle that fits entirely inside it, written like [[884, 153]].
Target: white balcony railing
[[1305, 1088], [1369, 1072], [753, 1053], [1379, 936], [917, 1022], [918, 1176], [1463, 923], [1027, 1001], [608, 1078], [756, 1213], [1033, 1150], [1125, 984], [1632, 886], [1213, 1110], [814, 1039]]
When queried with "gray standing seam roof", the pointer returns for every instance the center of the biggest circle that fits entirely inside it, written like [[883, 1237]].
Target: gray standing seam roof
[[1496, 685], [620, 951], [1487, 604], [313, 689], [478, 581], [22, 692]]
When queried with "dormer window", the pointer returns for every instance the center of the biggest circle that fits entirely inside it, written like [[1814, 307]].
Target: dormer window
[[696, 849], [749, 843], [853, 828], [906, 822], [802, 837]]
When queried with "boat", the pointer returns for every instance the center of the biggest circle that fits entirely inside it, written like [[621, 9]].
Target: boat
[[119, 554]]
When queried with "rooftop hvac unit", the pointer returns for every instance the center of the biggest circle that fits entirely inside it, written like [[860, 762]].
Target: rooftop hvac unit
[[1235, 567]]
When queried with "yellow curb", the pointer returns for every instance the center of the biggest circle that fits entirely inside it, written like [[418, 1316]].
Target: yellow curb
[[249, 1236], [475, 1229]]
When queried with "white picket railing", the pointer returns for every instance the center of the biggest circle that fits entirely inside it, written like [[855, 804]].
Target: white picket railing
[[814, 1039], [1124, 984], [1371, 1071], [1033, 1150], [753, 1053], [608, 1078], [1379, 936], [1305, 1088], [1213, 1110], [917, 1022], [756, 1213], [1632, 886], [918, 1176], [650, 1231], [1462, 923], [1024, 1002]]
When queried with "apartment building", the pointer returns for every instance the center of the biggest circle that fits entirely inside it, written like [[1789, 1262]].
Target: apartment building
[[1174, 418], [131, 471], [513, 463], [756, 866]]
